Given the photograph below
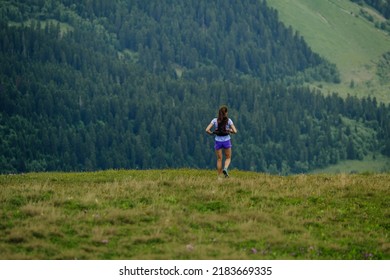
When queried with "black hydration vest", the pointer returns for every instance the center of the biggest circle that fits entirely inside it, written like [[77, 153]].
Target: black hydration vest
[[221, 130]]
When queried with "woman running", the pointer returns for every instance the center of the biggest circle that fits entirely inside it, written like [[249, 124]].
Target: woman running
[[223, 128]]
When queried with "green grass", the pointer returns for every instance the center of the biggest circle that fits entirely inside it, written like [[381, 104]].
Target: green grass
[[189, 214], [337, 31]]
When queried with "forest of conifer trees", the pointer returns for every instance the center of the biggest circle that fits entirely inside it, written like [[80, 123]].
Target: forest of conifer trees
[[91, 85]]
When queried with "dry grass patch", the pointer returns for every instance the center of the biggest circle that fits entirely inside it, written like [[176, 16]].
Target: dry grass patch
[[188, 214]]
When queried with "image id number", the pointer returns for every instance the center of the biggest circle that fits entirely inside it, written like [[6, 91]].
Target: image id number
[[242, 270]]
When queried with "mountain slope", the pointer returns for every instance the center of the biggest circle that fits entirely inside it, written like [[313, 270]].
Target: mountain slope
[[338, 31], [132, 84]]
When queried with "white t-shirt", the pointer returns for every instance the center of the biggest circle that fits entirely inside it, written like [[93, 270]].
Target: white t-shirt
[[228, 125]]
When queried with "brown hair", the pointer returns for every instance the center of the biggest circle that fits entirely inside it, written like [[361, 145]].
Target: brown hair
[[222, 117]]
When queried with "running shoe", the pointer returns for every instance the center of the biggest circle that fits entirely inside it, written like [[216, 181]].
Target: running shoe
[[225, 172]]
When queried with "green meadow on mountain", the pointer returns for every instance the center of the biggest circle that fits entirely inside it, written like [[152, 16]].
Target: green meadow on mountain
[[188, 214], [354, 37]]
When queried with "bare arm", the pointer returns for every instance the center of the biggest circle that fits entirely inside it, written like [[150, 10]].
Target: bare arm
[[233, 129], [208, 131]]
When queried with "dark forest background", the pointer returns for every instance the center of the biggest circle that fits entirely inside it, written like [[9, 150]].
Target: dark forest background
[[94, 84]]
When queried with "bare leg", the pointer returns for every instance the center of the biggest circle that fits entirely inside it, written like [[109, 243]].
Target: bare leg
[[219, 161], [228, 156]]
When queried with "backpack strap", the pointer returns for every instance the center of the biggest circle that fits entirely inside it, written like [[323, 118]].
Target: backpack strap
[[222, 132]]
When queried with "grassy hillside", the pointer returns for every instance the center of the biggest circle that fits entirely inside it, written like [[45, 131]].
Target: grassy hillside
[[337, 31], [189, 214]]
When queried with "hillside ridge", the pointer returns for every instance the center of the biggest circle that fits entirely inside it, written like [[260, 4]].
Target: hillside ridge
[[348, 35]]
